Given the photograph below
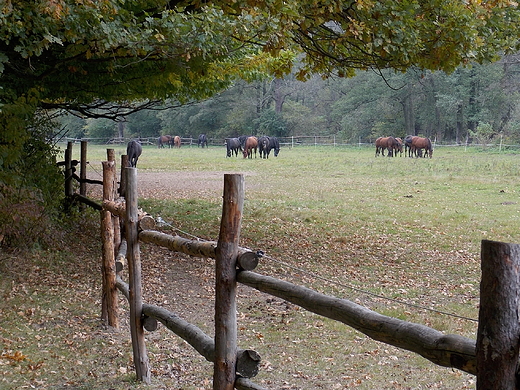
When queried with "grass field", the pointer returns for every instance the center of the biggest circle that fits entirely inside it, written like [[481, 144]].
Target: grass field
[[398, 235]]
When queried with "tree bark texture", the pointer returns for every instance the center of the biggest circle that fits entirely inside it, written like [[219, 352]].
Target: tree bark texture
[[194, 247], [225, 284], [444, 350], [109, 296], [141, 362], [499, 327]]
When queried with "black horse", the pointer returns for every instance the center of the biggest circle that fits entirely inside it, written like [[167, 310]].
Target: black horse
[[202, 140], [266, 144], [133, 151], [273, 144], [263, 144], [242, 140], [233, 145]]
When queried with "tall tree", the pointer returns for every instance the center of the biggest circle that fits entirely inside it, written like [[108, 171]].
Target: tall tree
[[108, 58]]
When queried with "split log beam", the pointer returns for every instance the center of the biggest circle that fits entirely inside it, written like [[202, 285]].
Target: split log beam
[[118, 207], [248, 361], [89, 202], [441, 349], [121, 256], [196, 248], [246, 384], [498, 333]]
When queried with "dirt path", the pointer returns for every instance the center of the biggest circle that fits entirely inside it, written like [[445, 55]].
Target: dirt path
[[173, 185]]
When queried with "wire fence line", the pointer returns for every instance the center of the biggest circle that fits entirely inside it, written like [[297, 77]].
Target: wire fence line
[[162, 222], [292, 142]]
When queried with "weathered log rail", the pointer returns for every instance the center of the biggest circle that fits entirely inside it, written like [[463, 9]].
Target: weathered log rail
[[493, 357]]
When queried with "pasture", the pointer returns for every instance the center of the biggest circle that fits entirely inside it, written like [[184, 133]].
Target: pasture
[[398, 235]]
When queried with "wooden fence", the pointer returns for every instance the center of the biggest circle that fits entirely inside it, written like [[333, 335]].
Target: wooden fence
[[493, 357]]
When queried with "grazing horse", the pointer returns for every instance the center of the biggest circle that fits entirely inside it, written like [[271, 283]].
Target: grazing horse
[[266, 144], [408, 148], [420, 143], [389, 143], [232, 145], [251, 144], [177, 141], [202, 140], [243, 139], [273, 144], [133, 151], [263, 145], [400, 145], [164, 139]]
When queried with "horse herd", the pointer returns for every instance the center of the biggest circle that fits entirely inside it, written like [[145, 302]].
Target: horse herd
[[249, 144], [175, 141], [413, 146]]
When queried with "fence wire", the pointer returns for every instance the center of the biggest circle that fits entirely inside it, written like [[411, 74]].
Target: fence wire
[[161, 222]]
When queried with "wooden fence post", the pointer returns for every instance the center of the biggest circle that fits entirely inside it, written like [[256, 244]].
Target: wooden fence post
[[142, 366], [122, 184], [225, 284], [498, 334], [69, 188], [83, 169], [109, 297]]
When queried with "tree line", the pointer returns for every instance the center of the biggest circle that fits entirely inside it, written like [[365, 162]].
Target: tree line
[[472, 104]]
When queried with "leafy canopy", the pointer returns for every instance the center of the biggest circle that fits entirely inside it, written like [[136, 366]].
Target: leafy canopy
[[76, 52], [107, 58]]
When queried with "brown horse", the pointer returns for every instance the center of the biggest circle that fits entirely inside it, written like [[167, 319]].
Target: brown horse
[[388, 143], [251, 144], [416, 145], [177, 141], [400, 145], [164, 140]]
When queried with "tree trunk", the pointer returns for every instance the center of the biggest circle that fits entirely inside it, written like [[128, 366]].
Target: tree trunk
[[498, 334]]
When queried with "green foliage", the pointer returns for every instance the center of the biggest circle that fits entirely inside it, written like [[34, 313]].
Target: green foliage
[[272, 123], [72, 126], [30, 201], [483, 134], [143, 124], [103, 128]]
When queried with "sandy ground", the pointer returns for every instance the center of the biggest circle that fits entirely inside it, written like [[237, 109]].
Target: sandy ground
[[172, 185]]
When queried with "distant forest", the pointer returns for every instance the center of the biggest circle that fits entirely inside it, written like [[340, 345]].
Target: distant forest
[[478, 103]]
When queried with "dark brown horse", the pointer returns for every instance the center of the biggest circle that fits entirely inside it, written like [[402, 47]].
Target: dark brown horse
[[388, 143], [400, 145], [251, 144], [420, 143], [164, 140], [177, 141], [415, 146]]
